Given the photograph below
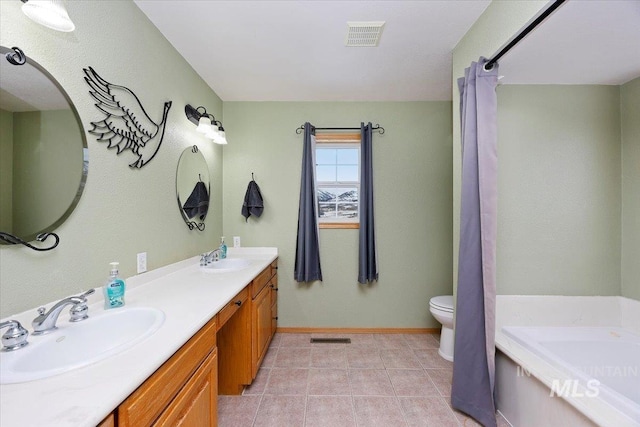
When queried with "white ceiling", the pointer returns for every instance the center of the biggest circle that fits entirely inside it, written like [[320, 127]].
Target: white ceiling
[[583, 42], [294, 50]]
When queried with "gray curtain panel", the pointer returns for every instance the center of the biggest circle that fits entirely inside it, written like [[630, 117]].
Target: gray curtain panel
[[472, 390], [307, 266], [367, 256]]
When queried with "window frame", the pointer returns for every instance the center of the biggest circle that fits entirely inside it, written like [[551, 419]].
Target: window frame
[[339, 140]]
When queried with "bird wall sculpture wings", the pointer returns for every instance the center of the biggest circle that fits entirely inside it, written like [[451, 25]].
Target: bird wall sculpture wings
[[126, 124]]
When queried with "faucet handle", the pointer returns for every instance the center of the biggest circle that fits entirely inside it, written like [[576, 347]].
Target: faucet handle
[[80, 311], [87, 293], [41, 310], [15, 337]]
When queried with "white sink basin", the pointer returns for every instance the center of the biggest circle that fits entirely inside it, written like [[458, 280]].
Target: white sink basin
[[227, 265], [74, 345]]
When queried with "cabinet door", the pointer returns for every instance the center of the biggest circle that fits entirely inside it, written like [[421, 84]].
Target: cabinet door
[[196, 404], [261, 326], [155, 395], [274, 318], [274, 304]]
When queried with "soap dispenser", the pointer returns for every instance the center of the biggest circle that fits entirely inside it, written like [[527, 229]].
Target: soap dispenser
[[223, 248], [114, 289]]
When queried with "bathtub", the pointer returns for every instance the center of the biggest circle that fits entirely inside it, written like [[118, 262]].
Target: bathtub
[[568, 361]]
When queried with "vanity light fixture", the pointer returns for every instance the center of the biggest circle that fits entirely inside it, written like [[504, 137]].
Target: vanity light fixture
[[207, 124], [50, 13]]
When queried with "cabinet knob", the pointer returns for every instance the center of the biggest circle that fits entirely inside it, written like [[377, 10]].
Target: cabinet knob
[[275, 318], [238, 303]]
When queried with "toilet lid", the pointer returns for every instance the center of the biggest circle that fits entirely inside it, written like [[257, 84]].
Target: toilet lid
[[443, 302]]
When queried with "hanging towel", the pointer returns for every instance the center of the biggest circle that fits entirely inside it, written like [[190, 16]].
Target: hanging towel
[[253, 204], [198, 202]]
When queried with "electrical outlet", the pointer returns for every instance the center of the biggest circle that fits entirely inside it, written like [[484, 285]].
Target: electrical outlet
[[236, 241], [142, 262]]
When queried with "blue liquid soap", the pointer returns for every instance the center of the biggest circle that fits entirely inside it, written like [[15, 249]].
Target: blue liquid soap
[[223, 248], [114, 289]]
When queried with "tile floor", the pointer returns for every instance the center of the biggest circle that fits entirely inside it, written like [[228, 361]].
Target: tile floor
[[387, 380]]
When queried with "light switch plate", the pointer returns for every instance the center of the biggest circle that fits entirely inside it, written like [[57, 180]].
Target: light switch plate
[[236, 241], [142, 262]]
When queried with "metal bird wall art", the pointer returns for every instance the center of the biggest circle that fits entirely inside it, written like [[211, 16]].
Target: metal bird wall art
[[126, 124]]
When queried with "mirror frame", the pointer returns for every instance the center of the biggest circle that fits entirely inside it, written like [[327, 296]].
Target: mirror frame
[[192, 224], [18, 54]]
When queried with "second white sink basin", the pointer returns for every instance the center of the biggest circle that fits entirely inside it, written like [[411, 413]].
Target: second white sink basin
[[227, 265], [74, 345]]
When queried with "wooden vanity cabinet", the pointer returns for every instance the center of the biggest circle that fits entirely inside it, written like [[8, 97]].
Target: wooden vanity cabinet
[[234, 345], [183, 391], [222, 357], [262, 326]]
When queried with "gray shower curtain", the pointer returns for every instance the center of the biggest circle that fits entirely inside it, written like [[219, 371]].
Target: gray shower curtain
[[307, 263], [367, 257], [472, 390]]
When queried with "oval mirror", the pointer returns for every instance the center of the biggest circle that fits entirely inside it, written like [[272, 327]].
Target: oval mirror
[[43, 149], [193, 187]]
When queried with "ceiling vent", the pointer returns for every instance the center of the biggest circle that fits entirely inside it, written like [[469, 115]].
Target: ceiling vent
[[364, 34]]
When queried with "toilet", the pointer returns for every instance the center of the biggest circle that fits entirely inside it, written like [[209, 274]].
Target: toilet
[[441, 307]]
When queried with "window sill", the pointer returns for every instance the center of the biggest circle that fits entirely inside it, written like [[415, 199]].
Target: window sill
[[339, 225]]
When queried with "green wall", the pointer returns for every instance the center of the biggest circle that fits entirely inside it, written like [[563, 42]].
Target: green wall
[[559, 197], [122, 211], [497, 25], [412, 162], [45, 175], [6, 170], [568, 186], [630, 124]]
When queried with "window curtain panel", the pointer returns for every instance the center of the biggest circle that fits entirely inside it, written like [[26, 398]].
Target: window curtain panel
[[472, 389], [367, 256], [307, 264]]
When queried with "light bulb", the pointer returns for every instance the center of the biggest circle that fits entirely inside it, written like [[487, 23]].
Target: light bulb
[[204, 125], [213, 132], [50, 13], [222, 137]]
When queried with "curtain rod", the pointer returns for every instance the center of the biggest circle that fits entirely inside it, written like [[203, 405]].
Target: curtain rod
[[548, 11], [376, 128]]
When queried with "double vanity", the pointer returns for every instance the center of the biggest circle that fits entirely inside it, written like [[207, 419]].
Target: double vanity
[[186, 334]]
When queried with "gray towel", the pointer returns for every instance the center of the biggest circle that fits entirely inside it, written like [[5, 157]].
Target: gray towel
[[253, 204], [198, 202]]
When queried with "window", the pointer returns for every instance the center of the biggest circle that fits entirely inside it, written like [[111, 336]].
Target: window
[[338, 180]]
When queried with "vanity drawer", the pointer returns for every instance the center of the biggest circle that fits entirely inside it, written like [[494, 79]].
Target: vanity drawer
[[260, 282], [233, 306]]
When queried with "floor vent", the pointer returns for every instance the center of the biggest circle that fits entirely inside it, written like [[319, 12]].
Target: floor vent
[[330, 340], [364, 34]]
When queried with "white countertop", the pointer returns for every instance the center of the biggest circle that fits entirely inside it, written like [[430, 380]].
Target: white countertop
[[188, 296]]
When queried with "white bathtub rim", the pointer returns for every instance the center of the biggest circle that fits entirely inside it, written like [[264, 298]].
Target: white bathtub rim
[[607, 393], [598, 410]]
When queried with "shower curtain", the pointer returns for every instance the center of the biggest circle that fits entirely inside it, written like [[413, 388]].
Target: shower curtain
[[472, 389], [307, 263]]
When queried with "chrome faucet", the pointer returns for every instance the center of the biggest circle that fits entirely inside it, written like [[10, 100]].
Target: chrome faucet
[[208, 258], [46, 321], [15, 337]]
